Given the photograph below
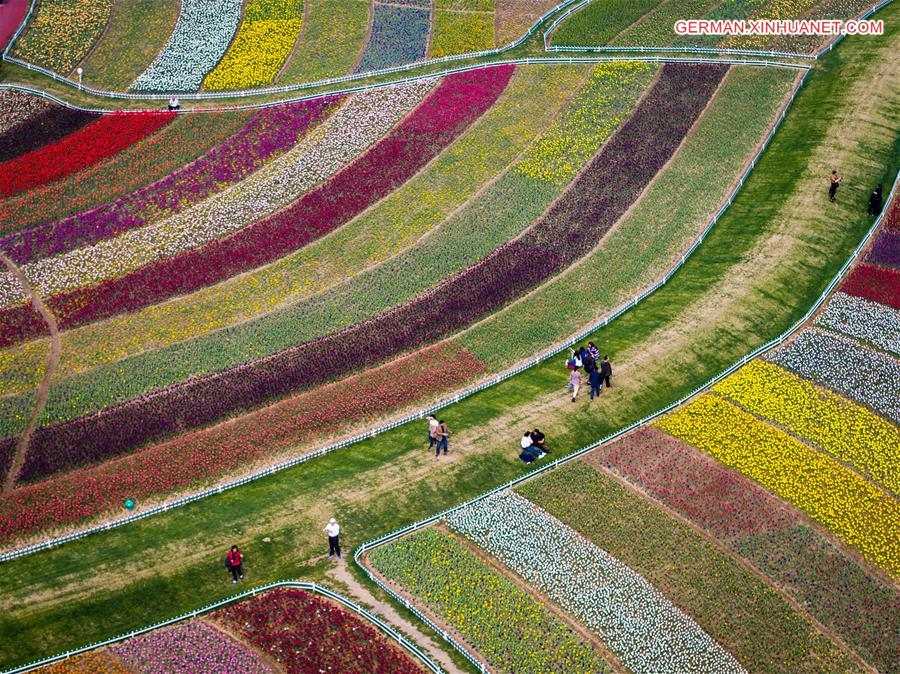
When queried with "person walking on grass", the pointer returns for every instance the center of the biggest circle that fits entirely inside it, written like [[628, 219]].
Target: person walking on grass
[[433, 430], [574, 383], [234, 561], [605, 371], [596, 382], [876, 201], [835, 182], [443, 435], [333, 529]]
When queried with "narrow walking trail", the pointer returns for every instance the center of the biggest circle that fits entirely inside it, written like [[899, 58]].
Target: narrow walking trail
[[44, 389], [341, 573]]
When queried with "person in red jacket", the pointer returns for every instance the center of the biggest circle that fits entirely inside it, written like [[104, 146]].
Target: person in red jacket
[[233, 560]]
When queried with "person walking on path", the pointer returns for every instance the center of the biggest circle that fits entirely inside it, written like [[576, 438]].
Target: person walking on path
[[433, 430], [333, 529], [574, 383], [605, 371], [442, 438], [596, 383], [876, 201], [835, 181], [234, 561]]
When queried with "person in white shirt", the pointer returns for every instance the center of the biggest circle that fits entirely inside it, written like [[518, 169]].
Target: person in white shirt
[[434, 430], [333, 529]]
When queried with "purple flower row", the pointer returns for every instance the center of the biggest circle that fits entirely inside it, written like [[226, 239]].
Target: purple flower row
[[886, 250], [567, 232], [267, 134]]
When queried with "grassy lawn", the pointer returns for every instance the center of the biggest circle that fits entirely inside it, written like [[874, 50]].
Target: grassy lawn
[[711, 313]]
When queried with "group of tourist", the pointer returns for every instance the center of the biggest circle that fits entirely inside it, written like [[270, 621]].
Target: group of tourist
[[598, 371], [534, 446], [876, 199]]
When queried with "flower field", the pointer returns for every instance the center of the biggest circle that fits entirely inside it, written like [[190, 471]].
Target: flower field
[[462, 26], [94, 662], [202, 34], [644, 629], [62, 32], [17, 107], [49, 124], [93, 143], [511, 629], [758, 526], [263, 42], [861, 319], [859, 513], [874, 283], [885, 251], [398, 35], [841, 364]]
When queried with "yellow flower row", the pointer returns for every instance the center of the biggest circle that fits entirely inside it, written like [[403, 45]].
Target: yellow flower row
[[857, 511], [256, 55], [774, 10], [847, 431], [62, 32]]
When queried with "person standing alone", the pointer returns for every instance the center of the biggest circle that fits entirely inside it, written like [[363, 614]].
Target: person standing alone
[[333, 529], [234, 560], [835, 182]]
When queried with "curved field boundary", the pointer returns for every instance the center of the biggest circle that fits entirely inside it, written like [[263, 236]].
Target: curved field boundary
[[299, 584], [551, 353], [382, 540], [691, 50]]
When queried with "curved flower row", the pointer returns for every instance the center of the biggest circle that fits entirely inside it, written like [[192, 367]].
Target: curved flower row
[[457, 102], [569, 230], [269, 133], [201, 37], [827, 10], [93, 143], [508, 627], [93, 662], [188, 648], [760, 527], [398, 35], [861, 514], [885, 250], [264, 40], [200, 456], [62, 32], [356, 125], [48, 126], [864, 320], [849, 432], [17, 107], [843, 365], [645, 630], [304, 634], [874, 283]]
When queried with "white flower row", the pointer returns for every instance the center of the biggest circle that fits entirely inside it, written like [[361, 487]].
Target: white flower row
[[871, 322], [357, 125], [841, 364], [646, 631], [17, 106], [202, 34]]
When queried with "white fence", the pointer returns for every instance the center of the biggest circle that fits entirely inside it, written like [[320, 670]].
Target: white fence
[[196, 496], [303, 585]]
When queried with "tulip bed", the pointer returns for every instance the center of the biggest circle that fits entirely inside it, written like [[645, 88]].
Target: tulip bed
[[89, 145], [462, 26], [199, 457], [849, 432], [509, 628], [304, 634], [48, 126], [153, 158], [841, 364], [202, 34], [874, 283], [17, 107], [358, 124], [750, 620], [861, 319], [773, 9], [268, 134], [885, 251], [760, 527], [188, 648], [643, 628], [859, 513], [601, 20], [398, 35], [457, 102], [263, 42], [94, 662], [828, 9], [62, 32], [657, 29]]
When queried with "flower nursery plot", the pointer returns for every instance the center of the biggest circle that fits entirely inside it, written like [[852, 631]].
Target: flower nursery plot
[[39, 127], [869, 322], [878, 284], [398, 35], [508, 627]]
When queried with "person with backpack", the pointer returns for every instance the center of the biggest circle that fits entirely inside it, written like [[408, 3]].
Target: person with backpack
[[234, 561]]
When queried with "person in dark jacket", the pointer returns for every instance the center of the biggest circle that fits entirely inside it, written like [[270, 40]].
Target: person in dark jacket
[[605, 371], [539, 440], [596, 383], [234, 560], [876, 201]]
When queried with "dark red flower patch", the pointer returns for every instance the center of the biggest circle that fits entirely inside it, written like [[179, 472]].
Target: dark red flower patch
[[42, 129], [874, 283]]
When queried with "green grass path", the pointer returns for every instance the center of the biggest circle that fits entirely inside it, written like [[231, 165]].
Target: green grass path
[[754, 276]]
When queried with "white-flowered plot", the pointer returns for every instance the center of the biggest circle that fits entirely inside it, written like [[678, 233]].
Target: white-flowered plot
[[869, 321], [357, 125], [841, 364], [202, 34], [645, 630]]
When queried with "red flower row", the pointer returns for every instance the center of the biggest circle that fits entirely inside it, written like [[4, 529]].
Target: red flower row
[[874, 283], [87, 146]]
